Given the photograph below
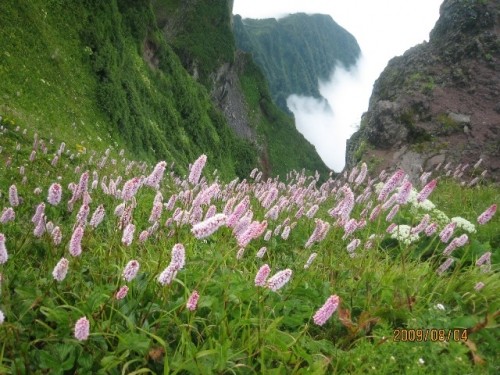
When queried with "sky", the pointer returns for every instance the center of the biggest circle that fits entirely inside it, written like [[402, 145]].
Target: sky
[[383, 28]]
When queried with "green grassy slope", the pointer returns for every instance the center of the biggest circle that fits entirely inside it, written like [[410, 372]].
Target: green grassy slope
[[99, 73], [76, 71], [397, 312]]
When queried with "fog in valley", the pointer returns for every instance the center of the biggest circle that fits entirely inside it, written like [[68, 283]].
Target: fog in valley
[[384, 29]]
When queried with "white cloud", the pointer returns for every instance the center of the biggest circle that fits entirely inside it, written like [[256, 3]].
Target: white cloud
[[383, 29]]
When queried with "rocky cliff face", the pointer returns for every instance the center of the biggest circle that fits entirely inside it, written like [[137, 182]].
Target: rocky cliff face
[[440, 101]]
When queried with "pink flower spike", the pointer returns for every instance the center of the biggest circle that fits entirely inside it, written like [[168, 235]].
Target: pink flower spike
[[8, 214], [447, 232], [55, 194], [404, 192], [485, 258], [446, 264], [262, 275], [426, 191], [97, 216], [209, 226], [121, 293], [193, 301], [178, 256], [279, 280], [130, 271], [310, 260], [391, 184], [487, 215], [56, 236], [82, 328], [13, 197], [196, 169], [167, 275], [261, 252], [60, 270], [75, 244], [430, 229], [156, 176], [3, 250], [128, 234], [325, 312]]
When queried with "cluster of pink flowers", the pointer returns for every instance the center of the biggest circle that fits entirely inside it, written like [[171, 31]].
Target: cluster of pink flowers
[[193, 300], [487, 215], [97, 216], [130, 270], [60, 270], [130, 188], [426, 191], [177, 263], [56, 236], [391, 184], [424, 222], [4, 256], [447, 232], [325, 312], [75, 244], [128, 234], [82, 329], [196, 169], [443, 267], [319, 233], [55, 194], [455, 243], [252, 231], [8, 214], [262, 275], [13, 197], [310, 260], [279, 280], [206, 228], [238, 212], [121, 293]]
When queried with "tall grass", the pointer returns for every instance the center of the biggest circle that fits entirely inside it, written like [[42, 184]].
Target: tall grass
[[139, 298]]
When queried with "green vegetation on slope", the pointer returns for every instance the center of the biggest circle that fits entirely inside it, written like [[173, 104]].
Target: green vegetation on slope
[[296, 51], [397, 313], [109, 73], [74, 64], [200, 33]]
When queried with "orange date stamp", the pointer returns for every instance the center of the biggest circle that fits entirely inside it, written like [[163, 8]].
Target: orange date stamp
[[430, 334]]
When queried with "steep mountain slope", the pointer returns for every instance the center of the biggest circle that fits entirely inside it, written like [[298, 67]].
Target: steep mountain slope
[[99, 73], [295, 51], [440, 101], [200, 33]]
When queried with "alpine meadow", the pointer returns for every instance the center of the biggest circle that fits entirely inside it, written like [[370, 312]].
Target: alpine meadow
[[161, 214]]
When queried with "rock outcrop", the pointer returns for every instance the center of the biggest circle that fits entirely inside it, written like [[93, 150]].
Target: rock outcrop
[[440, 101]]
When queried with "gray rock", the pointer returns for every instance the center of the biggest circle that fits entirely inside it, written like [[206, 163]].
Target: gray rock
[[459, 118]]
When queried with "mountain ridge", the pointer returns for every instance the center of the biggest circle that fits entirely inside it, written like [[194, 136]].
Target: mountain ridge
[[439, 101], [296, 51]]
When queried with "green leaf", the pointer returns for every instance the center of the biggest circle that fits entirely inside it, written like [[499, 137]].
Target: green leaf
[[85, 360], [136, 342], [49, 361]]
